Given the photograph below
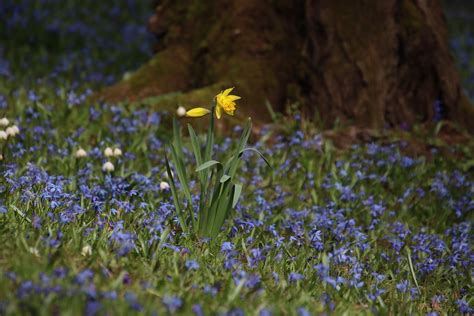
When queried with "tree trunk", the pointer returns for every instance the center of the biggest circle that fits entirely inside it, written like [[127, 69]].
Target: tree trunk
[[364, 62]]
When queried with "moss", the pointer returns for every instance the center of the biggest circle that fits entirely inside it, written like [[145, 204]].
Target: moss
[[168, 68], [411, 19]]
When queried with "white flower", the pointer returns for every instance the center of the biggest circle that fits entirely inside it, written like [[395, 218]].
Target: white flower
[[108, 167], [1, 157], [86, 250], [108, 152], [3, 135], [181, 111], [12, 131], [4, 121], [15, 129], [34, 251], [164, 186], [117, 152], [81, 153]]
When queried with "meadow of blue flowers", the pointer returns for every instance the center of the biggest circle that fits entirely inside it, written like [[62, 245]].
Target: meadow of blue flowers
[[86, 217]]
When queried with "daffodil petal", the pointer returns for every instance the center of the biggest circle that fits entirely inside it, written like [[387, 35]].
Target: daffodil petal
[[197, 112], [227, 91], [218, 112], [233, 97]]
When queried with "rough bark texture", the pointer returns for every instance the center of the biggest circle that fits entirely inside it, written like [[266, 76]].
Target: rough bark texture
[[382, 62], [364, 62]]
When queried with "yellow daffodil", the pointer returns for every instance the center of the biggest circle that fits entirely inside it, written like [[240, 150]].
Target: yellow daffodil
[[225, 101], [197, 112]]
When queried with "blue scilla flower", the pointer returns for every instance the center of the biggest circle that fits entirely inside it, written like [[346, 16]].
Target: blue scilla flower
[[403, 286], [191, 265], [172, 303], [3, 102], [132, 300], [294, 277], [303, 311], [84, 276]]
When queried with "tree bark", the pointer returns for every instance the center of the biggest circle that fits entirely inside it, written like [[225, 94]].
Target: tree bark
[[368, 63]]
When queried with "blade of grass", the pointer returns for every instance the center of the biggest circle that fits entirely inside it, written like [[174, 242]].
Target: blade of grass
[[412, 270]]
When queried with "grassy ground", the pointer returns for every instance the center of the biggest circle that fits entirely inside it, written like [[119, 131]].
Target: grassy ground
[[367, 230]]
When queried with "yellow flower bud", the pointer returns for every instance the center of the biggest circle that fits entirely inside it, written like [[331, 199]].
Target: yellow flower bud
[[197, 112]]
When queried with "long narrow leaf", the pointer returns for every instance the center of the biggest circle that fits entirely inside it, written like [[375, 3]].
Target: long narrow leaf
[[204, 209], [183, 180], [195, 144], [177, 138], [210, 219], [258, 152], [174, 193], [196, 149], [178, 147], [205, 191], [181, 174], [210, 138], [234, 161], [224, 178], [215, 200], [223, 207], [207, 165], [237, 192]]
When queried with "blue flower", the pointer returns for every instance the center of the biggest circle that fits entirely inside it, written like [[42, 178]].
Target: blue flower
[[403, 286], [191, 265], [294, 277], [84, 276], [172, 303]]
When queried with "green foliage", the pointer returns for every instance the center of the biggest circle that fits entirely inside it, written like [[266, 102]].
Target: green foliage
[[219, 193]]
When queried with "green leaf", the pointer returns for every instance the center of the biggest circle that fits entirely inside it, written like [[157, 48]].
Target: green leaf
[[197, 152], [233, 163], [207, 165], [258, 152], [183, 180], [180, 169], [195, 144], [177, 138], [237, 192], [174, 193], [224, 178], [224, 203], [210, 138]]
